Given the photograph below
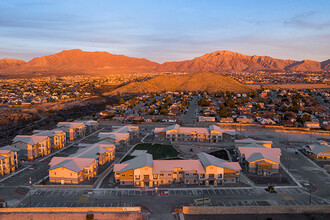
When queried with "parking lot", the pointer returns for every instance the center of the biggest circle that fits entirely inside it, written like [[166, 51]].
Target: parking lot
[[244, 196]]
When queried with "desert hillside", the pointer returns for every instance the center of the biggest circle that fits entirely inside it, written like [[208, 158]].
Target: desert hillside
[[205, 81]]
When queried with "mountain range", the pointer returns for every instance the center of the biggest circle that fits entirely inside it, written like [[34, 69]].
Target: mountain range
[[78, 61]]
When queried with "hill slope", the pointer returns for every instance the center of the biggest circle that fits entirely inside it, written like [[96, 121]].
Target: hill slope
[[190, 82], [10, 63]]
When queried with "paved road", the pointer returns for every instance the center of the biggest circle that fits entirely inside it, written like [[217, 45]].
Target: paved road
[[190, 116]]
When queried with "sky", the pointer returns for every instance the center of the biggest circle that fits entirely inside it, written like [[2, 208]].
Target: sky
[[169, 30]]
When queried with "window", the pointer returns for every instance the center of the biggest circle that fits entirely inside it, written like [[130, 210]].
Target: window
[[131, 175], [220, 175], [187, 181], [169, 181], [137, 177], [187, 174], [161, 181], [146, 176], [54, 173], [169, 174], [211, 175], [123, 175], [162, 174]]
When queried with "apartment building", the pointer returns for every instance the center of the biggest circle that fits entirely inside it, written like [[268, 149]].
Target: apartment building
[[101, 151], [260, 160], [143, 171], [90, 126], [73, 130], [245, 141], [57, 137], [71, 169], [32, 146], [121, 135], [218, 171], [81, 165], [177, 133], [8, 159]]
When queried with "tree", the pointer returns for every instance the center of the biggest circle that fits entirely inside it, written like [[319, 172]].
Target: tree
[[203, 102], [223, 113], [110, 115], [151, 111], [121, 101], [163, 111]]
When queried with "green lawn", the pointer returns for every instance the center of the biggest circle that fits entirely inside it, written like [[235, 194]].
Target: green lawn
[[158, 151]]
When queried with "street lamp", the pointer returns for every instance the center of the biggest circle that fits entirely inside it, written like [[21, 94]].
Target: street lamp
[[30, 182]]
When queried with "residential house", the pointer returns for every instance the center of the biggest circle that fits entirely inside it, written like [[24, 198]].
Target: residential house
[[312, 124], [206, 119], [244, 120], [267, 121], [226, 120], [32, 146], [8, 159]]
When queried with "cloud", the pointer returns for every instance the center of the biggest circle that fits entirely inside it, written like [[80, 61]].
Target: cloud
[[306, 20]]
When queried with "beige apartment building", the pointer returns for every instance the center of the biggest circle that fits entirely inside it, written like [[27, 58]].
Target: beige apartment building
[[57, 137], [71, 170], [32, 146], [177, 133], [143, 171], [121, 135], [73, 130], [81, 165], [261, 160], [8, 159]]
